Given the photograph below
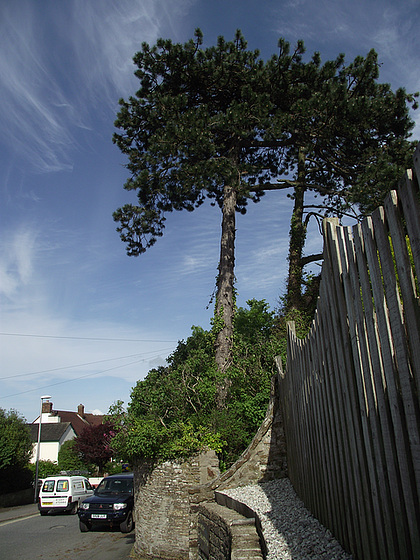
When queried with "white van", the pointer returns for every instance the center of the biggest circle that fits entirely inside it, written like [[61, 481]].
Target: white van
[[63, 493]]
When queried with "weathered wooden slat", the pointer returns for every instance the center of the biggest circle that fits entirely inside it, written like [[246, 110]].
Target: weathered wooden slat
[[384, 540], [416, 160], [402, 358], [334, 511], [408, 194], [339, 457], [388, 352], [324, 488], [349, 524], [355, 383], [406, 284], [343, 393], [388, 465]]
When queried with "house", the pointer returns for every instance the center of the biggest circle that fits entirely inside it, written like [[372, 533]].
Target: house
[[53, 435], [57, 427]]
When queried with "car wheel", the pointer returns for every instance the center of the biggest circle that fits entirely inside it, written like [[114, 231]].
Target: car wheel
[[127, 525], [84, 527]]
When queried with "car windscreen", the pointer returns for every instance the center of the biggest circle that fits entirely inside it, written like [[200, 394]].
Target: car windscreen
[[115, 486]]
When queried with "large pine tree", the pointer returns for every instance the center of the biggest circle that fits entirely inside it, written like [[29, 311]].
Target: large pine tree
[[220, 123], [189, 135], [343, 136]]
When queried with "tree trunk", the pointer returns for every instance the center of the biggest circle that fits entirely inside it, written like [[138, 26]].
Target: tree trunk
[[225, 300], [297, 241]]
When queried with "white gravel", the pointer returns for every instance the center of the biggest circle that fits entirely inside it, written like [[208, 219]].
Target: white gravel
[[290, 530]]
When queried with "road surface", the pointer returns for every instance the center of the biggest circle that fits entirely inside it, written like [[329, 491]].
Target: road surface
[[57, 537]]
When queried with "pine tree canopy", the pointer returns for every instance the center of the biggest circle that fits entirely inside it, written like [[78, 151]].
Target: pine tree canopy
[[204, 118], [221, 123], [189, 131]]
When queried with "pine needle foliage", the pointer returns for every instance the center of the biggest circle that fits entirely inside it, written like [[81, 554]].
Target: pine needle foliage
[[223, 124]]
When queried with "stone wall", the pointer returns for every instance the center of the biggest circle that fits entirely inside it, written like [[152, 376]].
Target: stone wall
[[17, 498], [171, 496], [162, 514], [224, 534]]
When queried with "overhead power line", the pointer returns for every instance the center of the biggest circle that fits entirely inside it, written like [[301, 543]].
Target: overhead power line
[[86, 338], [85, 364], [71, 380]]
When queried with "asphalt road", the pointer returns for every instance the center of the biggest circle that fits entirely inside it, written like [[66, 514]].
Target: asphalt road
[[57, 537]]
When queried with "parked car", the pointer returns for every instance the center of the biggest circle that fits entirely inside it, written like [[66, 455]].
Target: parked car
[[112, 503], [63, 493]]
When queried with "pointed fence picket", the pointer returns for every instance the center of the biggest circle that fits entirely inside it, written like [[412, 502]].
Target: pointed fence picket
[[350, 390]]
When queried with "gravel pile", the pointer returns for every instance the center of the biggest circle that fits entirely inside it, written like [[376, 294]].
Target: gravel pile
[[290, 531]]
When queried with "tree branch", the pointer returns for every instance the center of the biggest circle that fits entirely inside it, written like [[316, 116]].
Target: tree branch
[[311, 258]]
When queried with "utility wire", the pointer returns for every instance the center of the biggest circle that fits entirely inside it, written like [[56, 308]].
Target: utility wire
[[85, 364], [70, 380], [85, 338]]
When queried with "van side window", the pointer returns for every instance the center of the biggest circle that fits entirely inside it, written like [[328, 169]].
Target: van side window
[[88, 485], [48, 486], [62, 485]]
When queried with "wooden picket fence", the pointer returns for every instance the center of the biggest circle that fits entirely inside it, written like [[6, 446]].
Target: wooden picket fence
[[350, 391]]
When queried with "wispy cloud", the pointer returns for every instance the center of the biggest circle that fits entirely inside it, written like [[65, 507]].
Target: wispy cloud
[[16, 261], [53, 73], [389, 27]]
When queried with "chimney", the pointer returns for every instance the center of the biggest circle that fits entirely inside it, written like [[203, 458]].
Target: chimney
[[81, 410], [47, 407]]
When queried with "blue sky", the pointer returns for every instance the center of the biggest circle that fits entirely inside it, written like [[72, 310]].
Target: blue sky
[[79, 320]]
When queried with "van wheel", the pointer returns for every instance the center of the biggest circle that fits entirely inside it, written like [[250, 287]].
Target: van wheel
[[127, 525], [43, 511], [74, 507], [84, 527]]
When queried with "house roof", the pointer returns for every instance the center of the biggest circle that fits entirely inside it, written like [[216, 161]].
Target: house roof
[[49, 432], [78, 422]]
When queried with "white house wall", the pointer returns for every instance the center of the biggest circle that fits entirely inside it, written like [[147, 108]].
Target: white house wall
[[48, 451]]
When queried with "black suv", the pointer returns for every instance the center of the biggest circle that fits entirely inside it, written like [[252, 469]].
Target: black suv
[[112, 503]]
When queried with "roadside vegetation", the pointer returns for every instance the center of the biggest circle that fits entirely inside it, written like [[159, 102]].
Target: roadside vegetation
[[15, 452], [173, 412]]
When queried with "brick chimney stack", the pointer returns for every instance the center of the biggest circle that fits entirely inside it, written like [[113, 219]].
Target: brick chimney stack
[[81, 410], [47, 407]]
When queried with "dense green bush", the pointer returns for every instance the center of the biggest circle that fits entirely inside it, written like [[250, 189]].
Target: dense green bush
[[173, 412], [69, 459], [15, 452], [45, 468]]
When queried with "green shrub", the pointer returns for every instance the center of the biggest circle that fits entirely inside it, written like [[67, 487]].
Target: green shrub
[[173, 412], [15, 452], [45, 468], [70, 460]]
